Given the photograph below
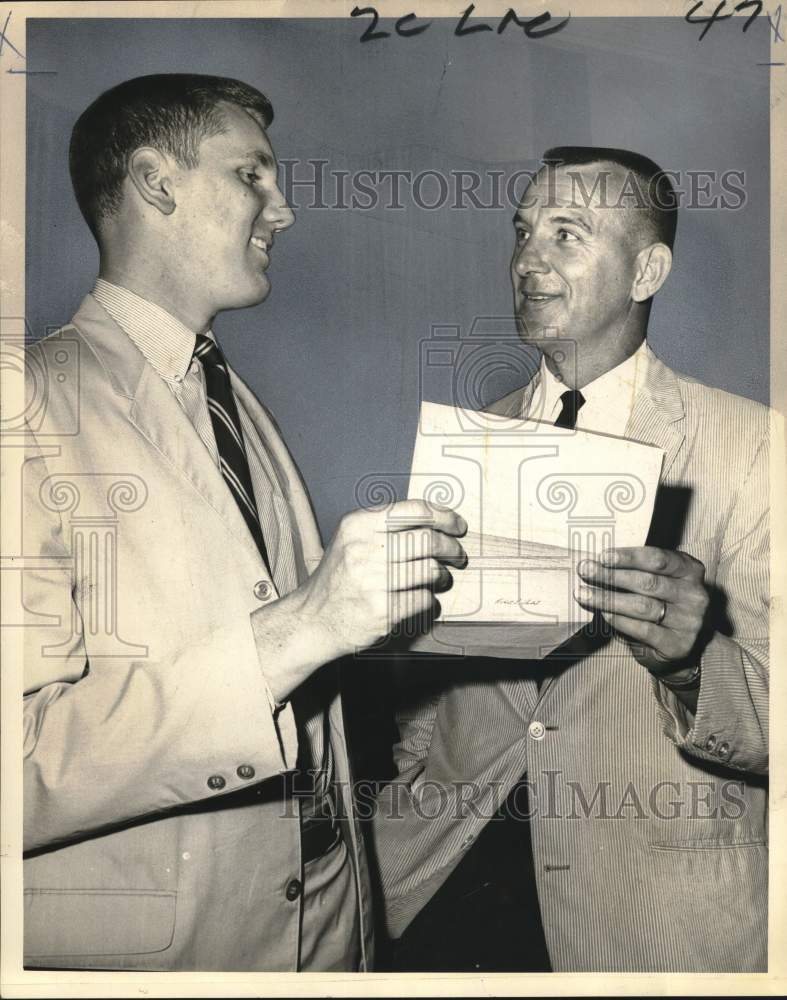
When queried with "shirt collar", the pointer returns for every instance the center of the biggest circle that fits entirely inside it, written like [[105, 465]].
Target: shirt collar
[[620, 384], [551, 389], [164, 341], [609, 398]]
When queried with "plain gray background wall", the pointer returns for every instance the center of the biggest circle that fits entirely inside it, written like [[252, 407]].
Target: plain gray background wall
[[335, 351]]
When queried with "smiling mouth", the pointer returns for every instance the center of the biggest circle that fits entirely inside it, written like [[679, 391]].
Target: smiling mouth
[[536, 298], [263, 246]]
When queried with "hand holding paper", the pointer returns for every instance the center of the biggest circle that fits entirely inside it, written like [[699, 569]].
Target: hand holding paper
[[537, 499], [655, 597]]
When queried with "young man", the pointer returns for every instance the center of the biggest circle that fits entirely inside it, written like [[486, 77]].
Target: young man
[[184, 628]]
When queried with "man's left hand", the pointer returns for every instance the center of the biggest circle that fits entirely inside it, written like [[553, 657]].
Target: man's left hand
[[654, 597]]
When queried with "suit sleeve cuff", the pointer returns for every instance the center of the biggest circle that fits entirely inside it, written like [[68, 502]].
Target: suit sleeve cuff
[[714, 731]]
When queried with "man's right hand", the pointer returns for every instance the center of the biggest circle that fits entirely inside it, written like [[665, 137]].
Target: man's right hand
[[382, 567]]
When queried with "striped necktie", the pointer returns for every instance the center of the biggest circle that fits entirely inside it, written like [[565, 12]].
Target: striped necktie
[[229, 437]]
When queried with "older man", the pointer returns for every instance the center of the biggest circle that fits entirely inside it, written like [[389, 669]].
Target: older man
[[180, 672], [643, 743]]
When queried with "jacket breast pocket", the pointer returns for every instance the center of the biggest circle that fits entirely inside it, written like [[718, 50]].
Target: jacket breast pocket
[[97, 922]]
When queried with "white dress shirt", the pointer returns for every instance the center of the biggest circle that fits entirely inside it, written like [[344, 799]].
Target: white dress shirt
[[609, 399]]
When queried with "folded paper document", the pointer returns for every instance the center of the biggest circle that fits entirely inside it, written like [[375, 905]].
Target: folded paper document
[[537, 499]]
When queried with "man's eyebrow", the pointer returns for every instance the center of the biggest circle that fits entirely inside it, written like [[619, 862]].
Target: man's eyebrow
[[574, 220], [261, 156], [519, 219]]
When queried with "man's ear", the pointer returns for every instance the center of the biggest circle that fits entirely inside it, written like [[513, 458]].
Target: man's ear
[[653, 264], [149, 172]]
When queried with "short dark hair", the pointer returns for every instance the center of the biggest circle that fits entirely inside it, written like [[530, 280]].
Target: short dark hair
[[172, 112], [659, 205]]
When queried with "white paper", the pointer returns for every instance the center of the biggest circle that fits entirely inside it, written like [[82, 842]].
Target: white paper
[[536, 498]]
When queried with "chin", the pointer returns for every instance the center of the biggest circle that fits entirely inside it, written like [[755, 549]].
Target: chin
[[262, 294], [253, 295], [528, 329]]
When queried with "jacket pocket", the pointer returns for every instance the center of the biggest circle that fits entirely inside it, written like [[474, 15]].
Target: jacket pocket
[[708, 844], [98, 921]]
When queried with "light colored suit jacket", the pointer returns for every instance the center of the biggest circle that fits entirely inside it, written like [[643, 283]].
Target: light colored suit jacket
[[649, 827], [143, 680]]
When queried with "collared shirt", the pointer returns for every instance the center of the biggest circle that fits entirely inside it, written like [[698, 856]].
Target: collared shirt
[[168, 346], [609, 399]]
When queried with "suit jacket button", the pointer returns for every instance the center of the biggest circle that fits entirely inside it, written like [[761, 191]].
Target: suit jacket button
[[536, 730], [245, 771], [216, 782], [293, 889], [262, 590], [724, 751], [710, 743]]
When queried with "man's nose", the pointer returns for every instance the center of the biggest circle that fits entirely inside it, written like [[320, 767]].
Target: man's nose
[[278, 213], [529, 259]]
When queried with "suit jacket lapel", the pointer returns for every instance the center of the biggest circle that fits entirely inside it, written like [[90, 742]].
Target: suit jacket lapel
[[658, 416], [156, 414], [306, 542]]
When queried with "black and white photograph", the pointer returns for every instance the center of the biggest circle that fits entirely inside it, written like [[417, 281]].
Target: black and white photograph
[[394, 490]]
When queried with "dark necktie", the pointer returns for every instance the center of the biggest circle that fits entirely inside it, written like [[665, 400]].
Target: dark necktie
[[572, 400], [229, 436]]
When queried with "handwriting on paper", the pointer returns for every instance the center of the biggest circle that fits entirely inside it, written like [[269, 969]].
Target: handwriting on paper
[[409, 25], [693, 17]]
